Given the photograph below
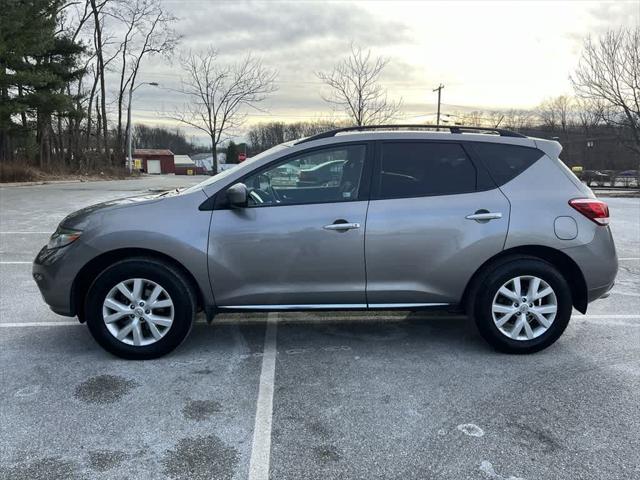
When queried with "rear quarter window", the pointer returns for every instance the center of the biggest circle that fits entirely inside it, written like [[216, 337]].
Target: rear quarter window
[[505, 162]]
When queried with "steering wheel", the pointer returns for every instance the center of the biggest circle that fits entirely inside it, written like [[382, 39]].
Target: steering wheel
[[260, 196]]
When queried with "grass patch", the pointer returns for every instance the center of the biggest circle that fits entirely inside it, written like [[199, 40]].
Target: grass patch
[[16, 172]]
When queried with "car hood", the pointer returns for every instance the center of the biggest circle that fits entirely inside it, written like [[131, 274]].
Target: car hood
[[80, 218]]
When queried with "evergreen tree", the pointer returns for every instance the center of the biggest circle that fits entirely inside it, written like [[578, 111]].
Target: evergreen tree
[[232, 152], [36, 64]]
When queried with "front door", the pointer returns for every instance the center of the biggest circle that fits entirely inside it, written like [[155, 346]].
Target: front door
[[299, 242], [433, 220]]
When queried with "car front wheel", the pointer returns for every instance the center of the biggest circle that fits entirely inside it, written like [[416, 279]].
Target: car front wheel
[[523, 306], [140, 308]]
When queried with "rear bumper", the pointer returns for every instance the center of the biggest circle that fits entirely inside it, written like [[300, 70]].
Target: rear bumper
[[600, 292], [598, 262]]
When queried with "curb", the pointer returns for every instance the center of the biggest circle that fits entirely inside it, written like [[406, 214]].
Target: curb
[[43, 182]]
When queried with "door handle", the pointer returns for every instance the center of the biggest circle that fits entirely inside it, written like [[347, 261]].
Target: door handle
[[341, 225], [484, 216]]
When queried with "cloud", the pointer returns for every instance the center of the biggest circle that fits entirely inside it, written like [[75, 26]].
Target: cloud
[[271, 27], [605, 16], [296, 38]]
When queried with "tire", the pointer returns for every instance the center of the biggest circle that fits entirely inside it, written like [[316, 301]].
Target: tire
[[153, 339], [491, 307]]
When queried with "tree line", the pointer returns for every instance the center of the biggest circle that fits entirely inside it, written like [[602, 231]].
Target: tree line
[[66, 68], [69, 67]]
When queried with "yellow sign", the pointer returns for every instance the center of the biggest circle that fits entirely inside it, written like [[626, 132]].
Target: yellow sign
[[189, 172], [576, 169], [137, 163]]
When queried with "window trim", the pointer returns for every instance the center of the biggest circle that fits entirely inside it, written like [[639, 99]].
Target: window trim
[[376, 183], [364, 191]]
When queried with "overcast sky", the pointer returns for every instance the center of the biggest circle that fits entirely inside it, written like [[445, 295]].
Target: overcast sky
[[492, 55]]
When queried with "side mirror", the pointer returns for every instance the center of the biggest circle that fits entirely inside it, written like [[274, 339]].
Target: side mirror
[[237, 195]]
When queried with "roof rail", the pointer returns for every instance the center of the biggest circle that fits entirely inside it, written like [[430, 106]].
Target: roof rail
[[452, 129]]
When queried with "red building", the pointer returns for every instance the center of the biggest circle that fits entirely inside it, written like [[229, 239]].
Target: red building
[[154, 161]]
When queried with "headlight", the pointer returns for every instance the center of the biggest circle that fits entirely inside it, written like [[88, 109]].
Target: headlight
[[63, 237]]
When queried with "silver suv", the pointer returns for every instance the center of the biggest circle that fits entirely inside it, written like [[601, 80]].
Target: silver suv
[[484, 220]]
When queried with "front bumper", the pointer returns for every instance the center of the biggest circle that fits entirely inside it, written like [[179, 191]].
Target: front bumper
[[54, 280]]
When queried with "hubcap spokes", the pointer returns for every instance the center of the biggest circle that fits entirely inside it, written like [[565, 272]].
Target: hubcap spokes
[[524, 307], [138, 312]]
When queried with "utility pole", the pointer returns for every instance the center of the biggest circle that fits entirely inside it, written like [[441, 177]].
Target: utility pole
[[439, 89]]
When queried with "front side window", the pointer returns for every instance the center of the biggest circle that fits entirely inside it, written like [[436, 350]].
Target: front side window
[[417, 169], [320, 176]]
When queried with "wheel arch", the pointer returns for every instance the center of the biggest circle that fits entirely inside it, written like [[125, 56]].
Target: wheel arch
[[96, 265], [567, 267]]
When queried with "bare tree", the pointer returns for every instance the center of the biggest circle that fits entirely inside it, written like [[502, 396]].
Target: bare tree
[[216, 93], [558, 112], [609, 72], [589, 114], [516, 119], [265, 135], [355, 88], [96, 8], [147, 31]]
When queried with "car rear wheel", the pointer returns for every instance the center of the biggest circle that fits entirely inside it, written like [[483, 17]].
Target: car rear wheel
[[140, 308], [522, 306]]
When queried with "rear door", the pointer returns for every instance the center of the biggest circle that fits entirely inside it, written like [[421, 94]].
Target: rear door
[[434, 218], [296, 244]]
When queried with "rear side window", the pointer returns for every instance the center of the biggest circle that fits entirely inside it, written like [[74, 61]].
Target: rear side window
[[420, 169], [506, 162]]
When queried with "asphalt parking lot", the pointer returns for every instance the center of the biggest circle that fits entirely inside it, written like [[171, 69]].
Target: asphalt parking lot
[[310, 396]]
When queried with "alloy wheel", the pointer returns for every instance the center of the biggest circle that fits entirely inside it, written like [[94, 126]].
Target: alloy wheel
[[138, 312], [524, 308]]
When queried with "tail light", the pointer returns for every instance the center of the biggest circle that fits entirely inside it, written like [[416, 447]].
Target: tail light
[[595, 210]]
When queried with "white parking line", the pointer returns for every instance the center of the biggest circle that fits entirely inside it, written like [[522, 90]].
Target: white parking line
[[261, 447], [38, 324], [23, 233], [14, 263], [629, 258]]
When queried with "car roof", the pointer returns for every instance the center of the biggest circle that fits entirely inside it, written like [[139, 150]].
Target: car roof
[[550, 147]]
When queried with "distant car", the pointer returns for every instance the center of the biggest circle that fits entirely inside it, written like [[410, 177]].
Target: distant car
[[286, 170], [595, 177], [494, 225], [629, 178], [322, 174]]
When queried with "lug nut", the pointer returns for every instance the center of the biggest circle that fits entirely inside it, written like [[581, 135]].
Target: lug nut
[[147, 312], [141, 304], [132, 306]]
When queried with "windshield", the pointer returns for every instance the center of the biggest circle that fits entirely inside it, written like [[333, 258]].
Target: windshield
[[243, 165]]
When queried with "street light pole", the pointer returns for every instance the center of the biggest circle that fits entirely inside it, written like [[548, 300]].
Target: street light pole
[[129, 139], [439, 90]]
